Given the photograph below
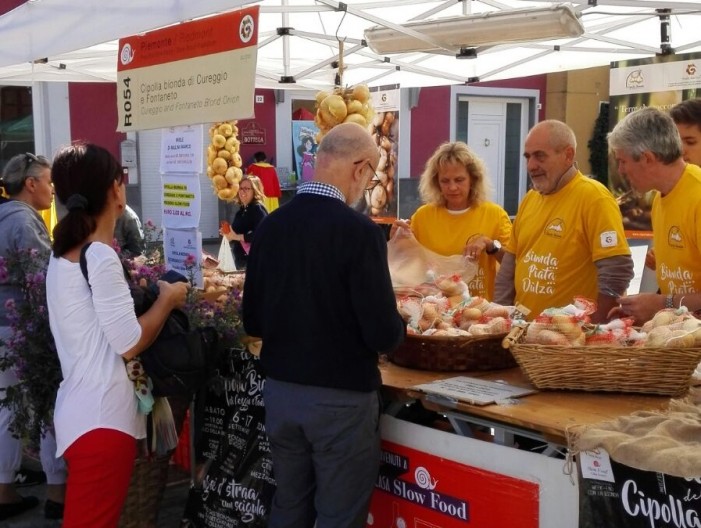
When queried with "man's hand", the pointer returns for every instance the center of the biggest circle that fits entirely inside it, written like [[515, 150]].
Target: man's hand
[[641, 307]]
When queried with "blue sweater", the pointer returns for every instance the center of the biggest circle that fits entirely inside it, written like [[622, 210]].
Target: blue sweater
[[319, 293]]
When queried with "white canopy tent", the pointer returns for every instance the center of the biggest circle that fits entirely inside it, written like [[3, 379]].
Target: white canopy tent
[[300, 40]]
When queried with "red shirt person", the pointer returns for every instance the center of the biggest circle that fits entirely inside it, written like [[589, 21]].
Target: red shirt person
[[268, 177]]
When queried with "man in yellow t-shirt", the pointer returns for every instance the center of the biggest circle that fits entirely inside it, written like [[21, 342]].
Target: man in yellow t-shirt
[[648, 152], [568, 238]]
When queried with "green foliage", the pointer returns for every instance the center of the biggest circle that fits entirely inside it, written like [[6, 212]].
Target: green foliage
[[598, 146]]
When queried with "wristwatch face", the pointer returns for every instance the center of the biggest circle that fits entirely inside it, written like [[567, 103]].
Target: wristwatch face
[[496, 246]]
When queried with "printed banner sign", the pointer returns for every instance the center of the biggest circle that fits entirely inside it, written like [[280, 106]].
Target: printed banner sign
[[382, 198], [613, 494], [304, 146], [417, 489], [195, 72]]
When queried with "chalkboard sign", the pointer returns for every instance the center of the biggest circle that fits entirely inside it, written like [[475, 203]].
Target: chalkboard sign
[[626, 497], [236, 486]]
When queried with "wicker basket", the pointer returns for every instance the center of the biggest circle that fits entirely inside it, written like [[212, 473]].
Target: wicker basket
[[453, 353], [665, 371], [148, 482], [149, 478]]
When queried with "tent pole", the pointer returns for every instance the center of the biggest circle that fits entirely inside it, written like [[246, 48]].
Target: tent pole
[[286, 41], [665, 31]]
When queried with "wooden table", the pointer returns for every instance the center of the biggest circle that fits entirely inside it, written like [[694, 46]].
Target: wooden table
[[545, 414]]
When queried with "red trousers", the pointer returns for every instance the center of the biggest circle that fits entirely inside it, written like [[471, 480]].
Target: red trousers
[[100, 464]]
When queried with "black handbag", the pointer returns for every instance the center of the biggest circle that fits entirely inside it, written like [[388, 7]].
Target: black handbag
[[181, 360]]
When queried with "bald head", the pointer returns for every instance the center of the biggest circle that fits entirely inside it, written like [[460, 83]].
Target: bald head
[[558, 134], [347, 158], [348, 141]]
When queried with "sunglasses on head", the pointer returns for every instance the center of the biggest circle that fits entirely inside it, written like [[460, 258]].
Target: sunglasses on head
[[30, 158]]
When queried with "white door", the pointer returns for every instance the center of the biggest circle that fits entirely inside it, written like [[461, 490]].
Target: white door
[[485, 138], [494, 127]]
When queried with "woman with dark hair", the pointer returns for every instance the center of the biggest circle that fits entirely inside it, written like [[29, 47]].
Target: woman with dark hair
[[97, 419], [250, 199], [27, 181]]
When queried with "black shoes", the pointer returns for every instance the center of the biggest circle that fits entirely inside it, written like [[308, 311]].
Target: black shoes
[[15, 508], [27, 477], [53, 510]]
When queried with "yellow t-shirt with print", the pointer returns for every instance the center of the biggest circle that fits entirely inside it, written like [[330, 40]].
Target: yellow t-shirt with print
[[446, 233], [557, 238], [676, 226]]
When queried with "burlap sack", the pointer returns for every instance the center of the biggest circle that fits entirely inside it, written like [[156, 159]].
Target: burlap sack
[[665, 442]]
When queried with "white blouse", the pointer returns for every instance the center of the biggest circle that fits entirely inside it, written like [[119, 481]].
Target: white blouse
[[92, 328]]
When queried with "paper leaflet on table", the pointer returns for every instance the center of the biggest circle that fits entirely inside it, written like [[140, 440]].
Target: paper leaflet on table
[[472, 390]]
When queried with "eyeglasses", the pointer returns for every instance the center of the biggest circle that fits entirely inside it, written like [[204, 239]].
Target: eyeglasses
[[245, 189], [374, 181]]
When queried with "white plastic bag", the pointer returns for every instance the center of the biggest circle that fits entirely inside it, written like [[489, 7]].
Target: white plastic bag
[[226, 259], [411, 264]]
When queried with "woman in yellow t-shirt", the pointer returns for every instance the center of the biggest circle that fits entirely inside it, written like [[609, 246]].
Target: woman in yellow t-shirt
[[456, 217]]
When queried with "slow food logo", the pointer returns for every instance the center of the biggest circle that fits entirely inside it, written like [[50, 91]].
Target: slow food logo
[[246, 28], [126, 55]]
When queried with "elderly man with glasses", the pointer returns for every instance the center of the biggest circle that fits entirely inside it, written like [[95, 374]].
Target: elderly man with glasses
[[318, 292]]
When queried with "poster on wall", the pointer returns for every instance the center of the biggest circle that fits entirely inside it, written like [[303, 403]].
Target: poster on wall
[[381, 197], [181, 149], [304, 148], [195, 72], [183, 248], [420, 490], [181, 200], [660, 82]]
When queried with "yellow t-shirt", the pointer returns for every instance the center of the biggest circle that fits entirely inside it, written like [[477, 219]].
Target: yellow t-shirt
[[446, 233], [676, 226], [50, 218], [556, 240]]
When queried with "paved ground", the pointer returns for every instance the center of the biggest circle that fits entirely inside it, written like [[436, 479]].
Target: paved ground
[[169, 513]]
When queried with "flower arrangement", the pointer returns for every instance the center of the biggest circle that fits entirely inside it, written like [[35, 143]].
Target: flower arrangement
[[31, 352], [222, 314]]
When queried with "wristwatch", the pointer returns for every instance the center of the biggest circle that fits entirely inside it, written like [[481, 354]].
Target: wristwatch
[[496, 246]]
